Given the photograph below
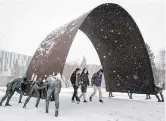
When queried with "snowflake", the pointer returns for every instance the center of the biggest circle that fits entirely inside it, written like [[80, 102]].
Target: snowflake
[[135, 77], [101, 29], [111, 30], [114, 71], [104, 56], [116, 41], [118, 33], [130, 28], [105, 36]]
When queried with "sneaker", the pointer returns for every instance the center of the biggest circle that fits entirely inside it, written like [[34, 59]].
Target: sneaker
[[101, 101], [90, 98], [7, 104], [36, 106]]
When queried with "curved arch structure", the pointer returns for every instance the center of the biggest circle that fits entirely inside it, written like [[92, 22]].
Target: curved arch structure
[[118, 42]]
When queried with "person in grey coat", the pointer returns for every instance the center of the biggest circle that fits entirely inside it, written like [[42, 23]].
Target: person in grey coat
[[53, 84], [35, 89], [12, 86]]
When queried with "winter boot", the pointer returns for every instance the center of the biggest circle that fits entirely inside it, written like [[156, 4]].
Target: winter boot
[[24, 106], [0, 103], [56, 113], [72, 101], [7, 104], [46, 111], [19, 102], [85, 101], [101, 101], [36, 106]]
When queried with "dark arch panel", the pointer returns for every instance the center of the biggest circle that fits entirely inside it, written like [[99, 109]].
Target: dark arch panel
[[118, 42]]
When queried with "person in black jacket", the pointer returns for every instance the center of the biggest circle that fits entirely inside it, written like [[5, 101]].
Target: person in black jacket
[[84, 83], [75, 80]]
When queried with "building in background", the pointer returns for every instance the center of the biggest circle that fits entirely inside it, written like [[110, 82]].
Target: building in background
[[12, 65]]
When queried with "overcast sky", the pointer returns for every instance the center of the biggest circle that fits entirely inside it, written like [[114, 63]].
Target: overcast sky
[[25, 23]]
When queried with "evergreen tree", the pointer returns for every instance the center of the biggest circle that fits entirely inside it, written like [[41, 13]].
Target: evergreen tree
[[83, 63], [154, 68], [151, 55]]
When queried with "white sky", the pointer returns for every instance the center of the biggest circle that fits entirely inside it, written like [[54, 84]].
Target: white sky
[[25, 23]]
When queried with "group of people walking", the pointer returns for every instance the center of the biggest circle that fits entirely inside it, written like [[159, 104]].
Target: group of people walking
[[52, 86], [81, 79]]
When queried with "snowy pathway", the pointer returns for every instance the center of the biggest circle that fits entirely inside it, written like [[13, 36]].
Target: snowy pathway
[[119, 108]]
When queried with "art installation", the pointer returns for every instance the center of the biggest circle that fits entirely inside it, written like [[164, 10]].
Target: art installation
[[118, 42]]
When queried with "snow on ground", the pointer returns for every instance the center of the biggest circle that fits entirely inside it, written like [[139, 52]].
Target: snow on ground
[[119, 108]]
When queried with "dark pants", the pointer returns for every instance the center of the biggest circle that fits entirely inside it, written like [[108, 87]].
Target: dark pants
[[75, 94], [36, 91], [130, 95], [9, 93], [110, 94]]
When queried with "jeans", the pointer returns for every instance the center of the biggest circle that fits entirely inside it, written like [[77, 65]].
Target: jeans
[[75, 94], [94, 92]]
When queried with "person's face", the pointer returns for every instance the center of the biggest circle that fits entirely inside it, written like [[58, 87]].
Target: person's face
[[85, 71]]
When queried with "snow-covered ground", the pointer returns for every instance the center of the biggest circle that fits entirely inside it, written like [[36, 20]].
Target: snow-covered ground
[[119, 108]]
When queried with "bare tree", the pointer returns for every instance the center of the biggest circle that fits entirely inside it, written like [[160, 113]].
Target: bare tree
[[83, 63]]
